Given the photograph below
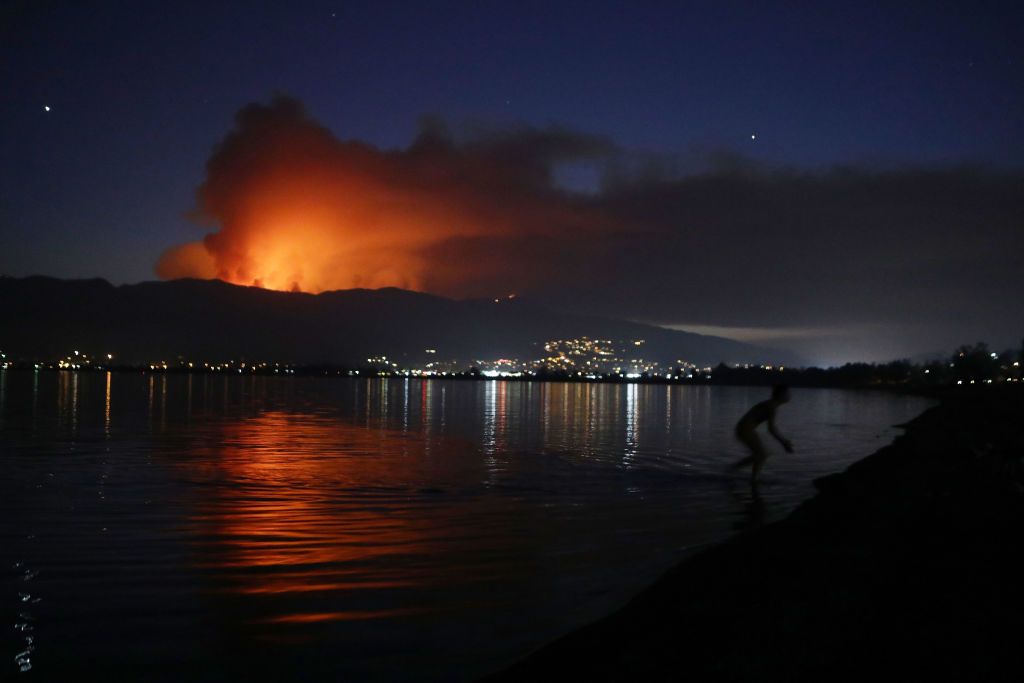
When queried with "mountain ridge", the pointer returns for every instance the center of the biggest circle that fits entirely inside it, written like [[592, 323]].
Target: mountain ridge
[[45, 317]]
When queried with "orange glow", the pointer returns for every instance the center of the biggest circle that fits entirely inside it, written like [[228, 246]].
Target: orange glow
[[297, 209], [314, 617], [288, 532]]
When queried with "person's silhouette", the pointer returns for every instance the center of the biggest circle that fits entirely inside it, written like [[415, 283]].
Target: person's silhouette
[[746, 431]]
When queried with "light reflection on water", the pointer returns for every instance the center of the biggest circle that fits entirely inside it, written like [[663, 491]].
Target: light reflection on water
[[398, 529]]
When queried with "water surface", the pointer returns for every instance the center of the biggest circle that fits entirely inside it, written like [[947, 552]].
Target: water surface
[[173, 527]]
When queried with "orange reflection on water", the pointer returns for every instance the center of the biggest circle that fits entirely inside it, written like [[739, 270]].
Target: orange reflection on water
[[353, 615], [307, 506]]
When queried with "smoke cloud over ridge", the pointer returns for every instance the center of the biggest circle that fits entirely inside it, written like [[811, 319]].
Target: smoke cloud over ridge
[[299, 209], [934, 251]]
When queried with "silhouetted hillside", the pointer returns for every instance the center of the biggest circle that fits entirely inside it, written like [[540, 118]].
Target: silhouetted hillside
[[199, 319]]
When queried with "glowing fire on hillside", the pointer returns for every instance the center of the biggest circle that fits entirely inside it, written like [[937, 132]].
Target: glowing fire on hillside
[[298, 209]]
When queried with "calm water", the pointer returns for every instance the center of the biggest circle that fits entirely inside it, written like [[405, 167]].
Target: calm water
[[204, 528]]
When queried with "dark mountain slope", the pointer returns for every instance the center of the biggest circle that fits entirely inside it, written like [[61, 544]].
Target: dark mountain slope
[[212, 320]]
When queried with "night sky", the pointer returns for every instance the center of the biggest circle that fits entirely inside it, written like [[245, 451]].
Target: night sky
[[844, 179]]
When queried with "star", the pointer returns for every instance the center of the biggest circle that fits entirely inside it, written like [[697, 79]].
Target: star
[[753, 136], [46, 107]]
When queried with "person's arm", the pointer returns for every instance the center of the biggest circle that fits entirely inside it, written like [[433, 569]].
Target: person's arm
[[774, 432]]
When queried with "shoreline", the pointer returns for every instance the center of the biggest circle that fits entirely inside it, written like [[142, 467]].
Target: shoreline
[[906, 563], [926, 390]]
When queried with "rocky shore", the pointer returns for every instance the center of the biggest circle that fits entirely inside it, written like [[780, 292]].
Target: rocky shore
[[910, 564]]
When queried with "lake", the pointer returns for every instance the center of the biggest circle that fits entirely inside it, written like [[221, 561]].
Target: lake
[[202, 527]]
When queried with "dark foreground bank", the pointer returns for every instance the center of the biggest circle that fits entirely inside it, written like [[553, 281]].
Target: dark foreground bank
[[910, 563]]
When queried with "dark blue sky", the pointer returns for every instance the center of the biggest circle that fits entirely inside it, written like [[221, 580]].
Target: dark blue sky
[[139, 93]]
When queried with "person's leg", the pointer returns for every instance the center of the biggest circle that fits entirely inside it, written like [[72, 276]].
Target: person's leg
[[744, 462], [756, 469], [757, 454], [751, 440]]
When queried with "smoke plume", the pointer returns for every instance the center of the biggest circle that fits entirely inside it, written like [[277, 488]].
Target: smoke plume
[[298, 209], [882, 251]]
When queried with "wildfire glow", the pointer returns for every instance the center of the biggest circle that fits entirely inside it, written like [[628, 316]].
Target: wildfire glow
[[298, 209]]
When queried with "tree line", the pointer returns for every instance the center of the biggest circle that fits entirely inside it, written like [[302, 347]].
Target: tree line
[[975, 363]]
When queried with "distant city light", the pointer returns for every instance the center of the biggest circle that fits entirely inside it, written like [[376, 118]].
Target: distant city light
[[579, 358]]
